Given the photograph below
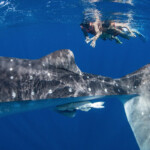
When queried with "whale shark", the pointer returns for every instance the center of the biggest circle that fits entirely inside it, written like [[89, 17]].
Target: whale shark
[[55, 81]]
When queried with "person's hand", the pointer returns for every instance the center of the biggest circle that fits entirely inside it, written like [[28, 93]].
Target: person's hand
[[87, 40], [93, 44], [133, 35]]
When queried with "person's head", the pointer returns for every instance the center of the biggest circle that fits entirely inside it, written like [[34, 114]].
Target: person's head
[[85, 25], [106, 24]]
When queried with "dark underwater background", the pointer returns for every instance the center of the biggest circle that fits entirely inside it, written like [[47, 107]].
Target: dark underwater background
[[39, 33]]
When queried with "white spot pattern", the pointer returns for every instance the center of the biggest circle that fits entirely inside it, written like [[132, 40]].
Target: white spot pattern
[[11, 69], [11, 77], [80, 74], [70, 89], [50, 91], [31, 77], [13, 94], [32, 93], [49, 74], [89, 89]]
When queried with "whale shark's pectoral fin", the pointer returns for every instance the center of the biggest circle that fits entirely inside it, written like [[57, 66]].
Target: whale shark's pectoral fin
[[62, 59], [69, 110]]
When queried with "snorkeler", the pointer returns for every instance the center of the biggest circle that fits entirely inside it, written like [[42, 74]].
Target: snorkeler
[[93, 28], [120, 29], [108, 30]]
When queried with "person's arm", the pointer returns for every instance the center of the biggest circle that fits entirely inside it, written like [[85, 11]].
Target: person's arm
[[93, 43], [87, 39], [98, 34], [140, 35]]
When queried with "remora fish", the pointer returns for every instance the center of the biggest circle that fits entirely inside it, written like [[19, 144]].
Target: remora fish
[[55, 80]]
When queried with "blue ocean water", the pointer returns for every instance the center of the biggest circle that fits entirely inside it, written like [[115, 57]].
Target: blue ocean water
[[35, 28]]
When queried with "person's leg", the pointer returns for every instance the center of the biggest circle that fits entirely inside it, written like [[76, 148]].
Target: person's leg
[[118, 32], [140, 35], [125, 36], [117, 39]]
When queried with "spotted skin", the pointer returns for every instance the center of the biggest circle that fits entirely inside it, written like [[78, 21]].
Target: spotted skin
[[57, 76], [34, 84]]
